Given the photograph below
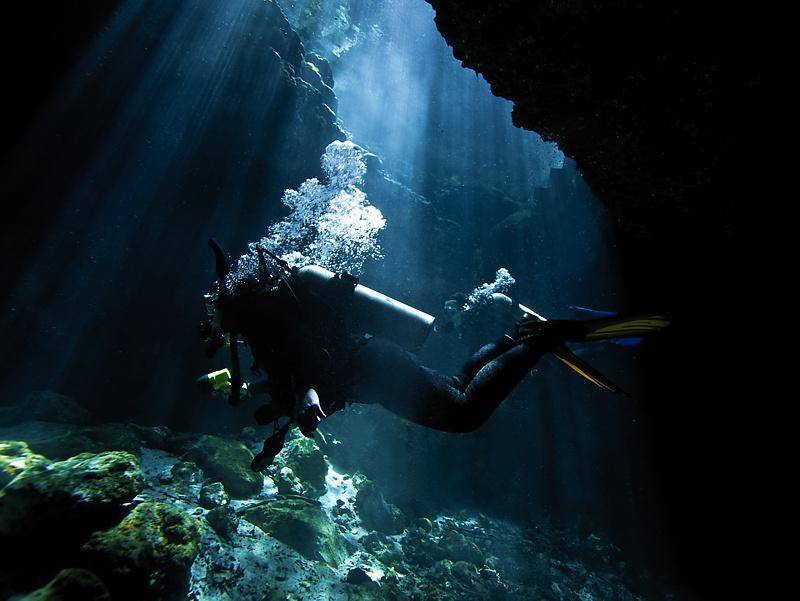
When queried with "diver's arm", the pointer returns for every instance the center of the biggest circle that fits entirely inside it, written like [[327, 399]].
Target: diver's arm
[[308, 412]]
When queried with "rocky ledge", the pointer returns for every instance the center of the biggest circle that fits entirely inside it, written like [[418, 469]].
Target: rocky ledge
[[667, 108], [149, 513]]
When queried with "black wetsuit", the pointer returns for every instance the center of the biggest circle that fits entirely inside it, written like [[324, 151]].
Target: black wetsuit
[[390, 376], [308, 343]]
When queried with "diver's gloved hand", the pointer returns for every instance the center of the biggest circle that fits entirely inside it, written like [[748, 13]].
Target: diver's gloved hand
[[308, 412], [532, 330], [528, 326]]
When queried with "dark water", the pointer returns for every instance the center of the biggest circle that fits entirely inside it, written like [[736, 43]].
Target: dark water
[[187, 120]]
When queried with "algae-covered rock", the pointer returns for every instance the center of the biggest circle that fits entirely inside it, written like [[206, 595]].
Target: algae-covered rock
[[213, 495], [286, 482], [44, 405], [464, 571], [306, 461], [15, 457], [185, 473], [148, 555], [384, 547], [375, 512], [223, 521], [301, 524], [62, 441], [76, 494], [455, 547], [226, 461], [71, 584]]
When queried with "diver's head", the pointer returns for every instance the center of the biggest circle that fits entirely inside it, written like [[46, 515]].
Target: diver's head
[[451, 316]]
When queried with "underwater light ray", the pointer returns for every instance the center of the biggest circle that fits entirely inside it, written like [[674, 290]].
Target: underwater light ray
[[143, 111], [127, 204], [118, 178], [186, 113]]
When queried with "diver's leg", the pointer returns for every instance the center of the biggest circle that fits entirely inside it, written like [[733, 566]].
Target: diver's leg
[[392, 377], [484, 355], [490, 386]]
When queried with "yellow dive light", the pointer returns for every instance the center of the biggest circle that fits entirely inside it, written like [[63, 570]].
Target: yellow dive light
[[215, 381]]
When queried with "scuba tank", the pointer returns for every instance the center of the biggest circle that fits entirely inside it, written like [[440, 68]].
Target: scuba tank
[[370, 311]]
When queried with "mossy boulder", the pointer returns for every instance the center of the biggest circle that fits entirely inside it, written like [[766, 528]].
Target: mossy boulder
[[305, 459], [185, 473], [224, 521], [75, 495], [15, 457], [286, 482], [62, 441], [148, 554], [226, 461], [301, 524], [69, 585], [213, 495], [455, 547]]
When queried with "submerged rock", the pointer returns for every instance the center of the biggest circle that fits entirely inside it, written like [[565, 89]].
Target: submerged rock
[[287, 483], [423, 525], [213, 495], [223, 521], [306, 461], [455, 547], [360, 575], [61, 441], [70, 585], [226, 461], [78, 494], [465, 571], [375, 512], [301, 524], [15, 457], [148, 555], [185, 473]]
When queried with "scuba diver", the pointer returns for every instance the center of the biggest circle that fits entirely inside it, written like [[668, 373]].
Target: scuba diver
[[323, 340]]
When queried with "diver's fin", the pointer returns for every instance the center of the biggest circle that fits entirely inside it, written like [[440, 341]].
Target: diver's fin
[[571, 360], [530, 330], [589, 312], [620, 327], [606, 328], [628, 342]]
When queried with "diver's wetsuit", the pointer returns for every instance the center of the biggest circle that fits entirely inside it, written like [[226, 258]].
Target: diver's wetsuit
[[388, 375], [310, 346]]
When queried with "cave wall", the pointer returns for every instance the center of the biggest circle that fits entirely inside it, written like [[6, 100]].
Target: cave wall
[[666, 108], [675, 116]]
